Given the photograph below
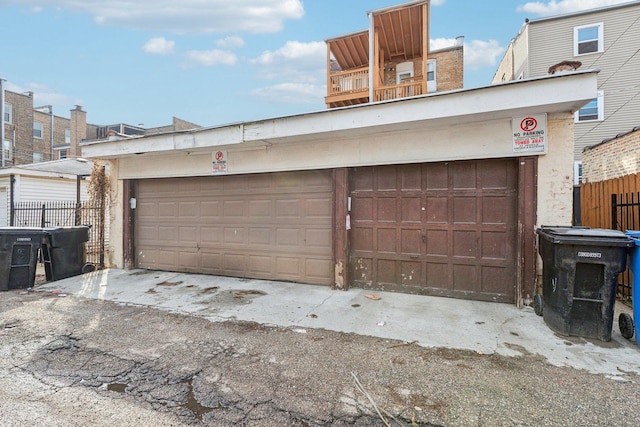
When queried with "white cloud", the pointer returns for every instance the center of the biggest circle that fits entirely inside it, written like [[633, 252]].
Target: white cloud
[[313, 53], [230, 42], [207, 58], [300, 69], [159, 46], [44, 95], [185, 16], [480, 53], [477, 53], [441, 43], [292, 93], [437, 2], [555, 7]]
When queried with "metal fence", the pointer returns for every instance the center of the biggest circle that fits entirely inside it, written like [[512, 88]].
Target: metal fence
[[65, 214], [625, 215]]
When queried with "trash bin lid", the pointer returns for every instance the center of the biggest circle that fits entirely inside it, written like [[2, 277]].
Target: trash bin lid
[[635, 236], [585, 236], [19, 230]]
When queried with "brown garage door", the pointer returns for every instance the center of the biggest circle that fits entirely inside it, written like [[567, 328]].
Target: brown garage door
[[268, 226], [441, 229]]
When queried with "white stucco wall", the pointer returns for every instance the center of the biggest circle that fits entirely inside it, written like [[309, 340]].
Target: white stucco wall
[[490, 139], [555, 173], [465, 124]]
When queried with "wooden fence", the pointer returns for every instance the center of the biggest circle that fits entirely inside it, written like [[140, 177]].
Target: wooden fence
[[595, 199], [612, 204]]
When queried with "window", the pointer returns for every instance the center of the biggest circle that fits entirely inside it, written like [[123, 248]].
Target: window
[[8, 150], [577, 173], [8, 113], [593, 111], [37, 157], [37, 129], [67, 136], [588, 39], [432, 86], [404, 70], [62, 154]]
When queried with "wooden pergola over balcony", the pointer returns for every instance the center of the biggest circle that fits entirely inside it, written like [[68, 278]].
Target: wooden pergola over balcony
[[399, 34]]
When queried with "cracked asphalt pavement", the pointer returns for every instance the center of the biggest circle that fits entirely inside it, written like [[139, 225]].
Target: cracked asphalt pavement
[[70, 361]]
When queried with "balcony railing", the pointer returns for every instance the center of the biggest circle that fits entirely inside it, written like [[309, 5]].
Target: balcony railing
[[351, 81], [409, 87]]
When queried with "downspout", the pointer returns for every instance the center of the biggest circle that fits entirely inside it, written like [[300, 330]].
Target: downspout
[[12, 210], [371, 56]]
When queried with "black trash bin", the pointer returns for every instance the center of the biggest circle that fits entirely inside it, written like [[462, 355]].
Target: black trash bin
[[63, 252], [579, 279], [18, 257]]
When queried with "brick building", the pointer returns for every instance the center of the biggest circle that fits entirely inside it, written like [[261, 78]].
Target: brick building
[[391, 60], [612, 158], [35, 134]]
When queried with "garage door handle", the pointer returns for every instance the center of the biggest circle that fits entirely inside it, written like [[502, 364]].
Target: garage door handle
[[424, 237]]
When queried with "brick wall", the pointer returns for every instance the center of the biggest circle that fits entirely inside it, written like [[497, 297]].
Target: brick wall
[[20, 131], [449, 68], [614, 158], [42, 145]]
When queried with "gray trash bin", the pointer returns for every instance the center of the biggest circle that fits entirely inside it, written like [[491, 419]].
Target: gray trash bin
[[63, 251], [580, 276], [19, 248]]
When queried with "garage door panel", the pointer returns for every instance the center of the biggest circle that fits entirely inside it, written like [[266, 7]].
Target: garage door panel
[[465, 277], [465, 244], [437, 242], [493, 246], [465, 210], [386, 240], [411, 274], [167, 209], [260, 236], [260, 208], [318, 239], [494, 279], [411, 209], [261, 265], [362, 239], [238, 225], [210, 209], [437, 209], [459, 226], [288, 237], [210, 235], [316, 268], [437, 274], [410, 241], [319, 208], [234, 235]]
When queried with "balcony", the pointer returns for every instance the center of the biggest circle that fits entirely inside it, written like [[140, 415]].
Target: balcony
[[412, 86], [348, 87]]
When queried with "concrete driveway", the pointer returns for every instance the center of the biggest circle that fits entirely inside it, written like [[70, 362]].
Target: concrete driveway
[[485, 328]]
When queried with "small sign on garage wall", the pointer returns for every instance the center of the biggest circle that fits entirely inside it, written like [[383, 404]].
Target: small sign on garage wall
[[219, 162], [530, 134]]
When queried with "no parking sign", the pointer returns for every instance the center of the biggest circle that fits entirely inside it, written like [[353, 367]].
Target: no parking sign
[[219, 162], [530, 134]]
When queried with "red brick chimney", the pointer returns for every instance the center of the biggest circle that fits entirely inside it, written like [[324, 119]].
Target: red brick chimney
[[78, 130]]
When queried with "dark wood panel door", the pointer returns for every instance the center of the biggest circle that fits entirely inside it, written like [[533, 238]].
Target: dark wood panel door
[[439, 228]]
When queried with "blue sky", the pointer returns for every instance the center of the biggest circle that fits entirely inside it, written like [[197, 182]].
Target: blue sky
[[214, 62]]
